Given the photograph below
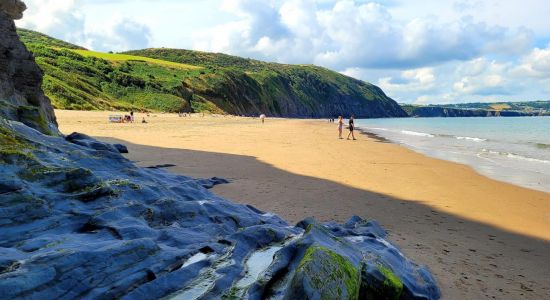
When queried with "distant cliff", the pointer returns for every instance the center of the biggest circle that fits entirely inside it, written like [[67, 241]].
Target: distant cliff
[[439, 111]]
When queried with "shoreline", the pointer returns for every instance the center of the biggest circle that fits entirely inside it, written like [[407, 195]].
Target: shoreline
[[515, 163], [480, 237]]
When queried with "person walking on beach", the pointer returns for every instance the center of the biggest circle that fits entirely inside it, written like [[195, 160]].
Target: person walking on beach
[[262, 117], [340, 126], [131, 116], [351, 127]]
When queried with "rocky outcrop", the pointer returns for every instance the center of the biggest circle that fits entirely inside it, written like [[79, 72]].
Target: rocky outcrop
[[78, 220], [21, 96], [13, 8]]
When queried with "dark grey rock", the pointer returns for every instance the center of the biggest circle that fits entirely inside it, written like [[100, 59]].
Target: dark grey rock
[[21, 95], [210, 183], [82, 224], [121, 148], [13, 8]]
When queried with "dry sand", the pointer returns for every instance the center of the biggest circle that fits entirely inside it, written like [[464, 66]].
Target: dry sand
[[481, 238]]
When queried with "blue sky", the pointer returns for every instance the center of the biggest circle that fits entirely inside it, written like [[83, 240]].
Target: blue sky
[[421, 51]]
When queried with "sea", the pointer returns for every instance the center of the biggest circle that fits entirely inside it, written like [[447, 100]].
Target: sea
[[512, 149]]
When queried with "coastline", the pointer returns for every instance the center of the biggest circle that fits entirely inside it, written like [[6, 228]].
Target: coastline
[[508, 150], [476, 234]]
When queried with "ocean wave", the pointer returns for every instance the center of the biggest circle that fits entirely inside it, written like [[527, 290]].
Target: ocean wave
[[530, 159], [408, 132], [474, 139], [378, 128], [517, 156], [493, 152]]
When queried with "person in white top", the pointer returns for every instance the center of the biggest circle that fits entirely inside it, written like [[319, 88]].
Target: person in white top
[[340, 126]]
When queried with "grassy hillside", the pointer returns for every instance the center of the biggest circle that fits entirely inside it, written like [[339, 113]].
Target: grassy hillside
[[33, 37], [240, 85], [75, 78], [180, 80]]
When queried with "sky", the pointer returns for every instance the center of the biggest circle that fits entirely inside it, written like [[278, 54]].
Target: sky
[[421, 51]]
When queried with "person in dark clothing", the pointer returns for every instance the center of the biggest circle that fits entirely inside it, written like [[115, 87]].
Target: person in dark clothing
[[351, 126]]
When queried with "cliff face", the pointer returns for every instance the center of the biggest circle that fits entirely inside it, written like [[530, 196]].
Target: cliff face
[[304, 91], [244, 86], [434, 111], [21, 96]]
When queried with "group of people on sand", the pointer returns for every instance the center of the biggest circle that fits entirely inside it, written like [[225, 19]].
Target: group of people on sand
[[130, 118], [351, 127]]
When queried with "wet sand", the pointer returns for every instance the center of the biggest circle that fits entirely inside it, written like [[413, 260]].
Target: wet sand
[[481, 238]]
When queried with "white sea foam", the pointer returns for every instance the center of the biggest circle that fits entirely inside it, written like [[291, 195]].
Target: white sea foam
[[474, 139], [379, 128], [493, 152], [408, 132], [516, 156], [530, 159]]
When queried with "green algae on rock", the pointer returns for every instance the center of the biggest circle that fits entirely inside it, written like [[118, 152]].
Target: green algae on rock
[[330, 274]]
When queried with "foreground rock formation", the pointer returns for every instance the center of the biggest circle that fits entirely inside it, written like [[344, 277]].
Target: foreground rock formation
[[21, 94], [78, 220]]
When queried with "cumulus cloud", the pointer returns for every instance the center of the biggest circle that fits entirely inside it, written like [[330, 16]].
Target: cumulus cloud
[[478, 79], [351, 34], [119, 34], [414, 80], [535, 64], [57, 18], [64, 20]]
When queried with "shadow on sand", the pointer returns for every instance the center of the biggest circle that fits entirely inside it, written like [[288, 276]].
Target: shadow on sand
[[470, 260]]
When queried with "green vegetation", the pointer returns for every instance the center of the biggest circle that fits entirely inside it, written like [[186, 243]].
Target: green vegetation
[[384, 285], [326, 269], [117, 57], [239, 85], [33, 37], [173, 80], [86, 80], [391, 283], [13, 147]]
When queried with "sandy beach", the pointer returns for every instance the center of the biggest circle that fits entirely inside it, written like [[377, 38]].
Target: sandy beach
[[481, 238]]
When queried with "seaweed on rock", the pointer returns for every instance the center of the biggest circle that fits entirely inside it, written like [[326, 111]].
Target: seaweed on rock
[[77, 219]]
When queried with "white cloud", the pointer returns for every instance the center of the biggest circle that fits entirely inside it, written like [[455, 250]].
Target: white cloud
[[535, 64], [58, 18], [351, 34], [118, 34], [414, 80], [64, 20]]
